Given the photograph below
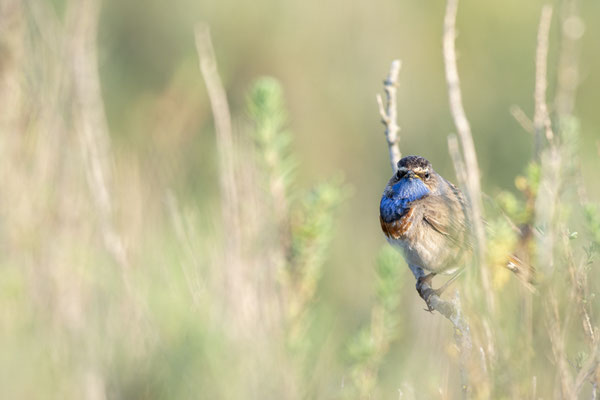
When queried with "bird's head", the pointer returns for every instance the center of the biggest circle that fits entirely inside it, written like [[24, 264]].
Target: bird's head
[[415, 171], [414, 179]]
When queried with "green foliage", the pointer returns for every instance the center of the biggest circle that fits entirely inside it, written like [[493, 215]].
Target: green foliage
[[592, 219], [289, 319], [303, 221], [312, 230], [390, 272], [273, 141], [367, 348], [521, 209], [305, 218]]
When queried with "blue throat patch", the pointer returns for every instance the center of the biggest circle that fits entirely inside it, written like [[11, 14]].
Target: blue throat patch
[[403, 193]]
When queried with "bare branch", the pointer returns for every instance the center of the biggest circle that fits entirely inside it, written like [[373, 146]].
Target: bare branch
[[541, 118], [389, 114], [473, 185]]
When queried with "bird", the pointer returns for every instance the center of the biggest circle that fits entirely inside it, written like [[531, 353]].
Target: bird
[[426, 217]]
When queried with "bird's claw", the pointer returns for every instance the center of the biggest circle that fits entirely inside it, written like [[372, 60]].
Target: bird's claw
[[425, 279]]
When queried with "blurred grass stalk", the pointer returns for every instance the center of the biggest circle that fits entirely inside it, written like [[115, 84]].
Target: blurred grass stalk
[[283, 234], [548, 206], [93, 308], [52, 124], [546, 216]]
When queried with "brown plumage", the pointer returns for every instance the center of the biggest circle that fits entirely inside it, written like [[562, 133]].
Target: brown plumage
[[424, 216]]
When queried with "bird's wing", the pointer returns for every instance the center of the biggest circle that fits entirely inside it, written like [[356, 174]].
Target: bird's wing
[[446, 214]]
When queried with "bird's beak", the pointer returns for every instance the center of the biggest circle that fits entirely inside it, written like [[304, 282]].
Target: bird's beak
[[410, 175]]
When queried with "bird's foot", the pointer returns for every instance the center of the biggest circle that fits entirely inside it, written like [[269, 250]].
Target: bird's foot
[[440, 290], [425, 290], [426, 279]]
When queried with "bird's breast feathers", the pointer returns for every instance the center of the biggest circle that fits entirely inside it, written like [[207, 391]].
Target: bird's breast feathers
[[398, 229]]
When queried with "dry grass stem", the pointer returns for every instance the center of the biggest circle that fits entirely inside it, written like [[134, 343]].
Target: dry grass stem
[[224, 133], [195, 284], [91, 120], [558, 347], [522, 118], [572, 28], [236, 283], [473, 184], [541, 118], [457, 160]]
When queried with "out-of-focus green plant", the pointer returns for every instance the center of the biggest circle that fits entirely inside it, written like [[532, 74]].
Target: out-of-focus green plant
[[592, 219], [273, 144], [304, 220], [368, 347]]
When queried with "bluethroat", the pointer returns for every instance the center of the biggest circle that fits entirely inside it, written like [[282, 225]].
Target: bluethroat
[[425, 217]]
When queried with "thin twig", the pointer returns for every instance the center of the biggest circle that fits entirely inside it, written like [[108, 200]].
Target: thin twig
[[541, 118], [464, 132], [389, 114], [522, 118]]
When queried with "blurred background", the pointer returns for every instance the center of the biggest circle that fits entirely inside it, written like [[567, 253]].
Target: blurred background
[[113, 242]]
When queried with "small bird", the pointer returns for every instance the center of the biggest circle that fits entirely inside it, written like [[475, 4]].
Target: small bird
[[425, 217]]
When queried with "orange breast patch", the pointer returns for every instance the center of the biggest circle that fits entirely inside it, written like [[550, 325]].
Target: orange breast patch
[[398, 228]]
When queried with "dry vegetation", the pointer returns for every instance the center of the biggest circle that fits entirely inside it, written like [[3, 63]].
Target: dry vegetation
[[109, 292]]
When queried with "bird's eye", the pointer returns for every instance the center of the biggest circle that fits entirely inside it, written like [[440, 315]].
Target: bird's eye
[[427, 176], [400, 174]]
